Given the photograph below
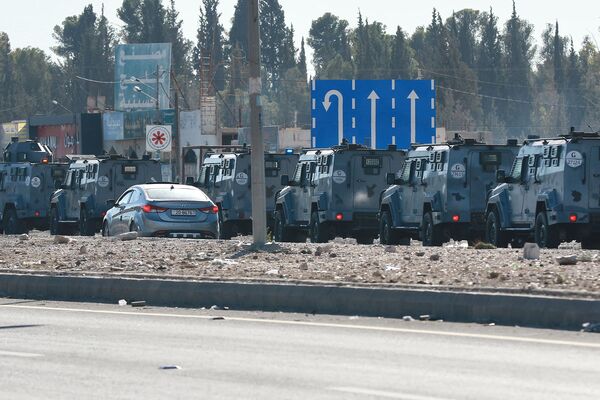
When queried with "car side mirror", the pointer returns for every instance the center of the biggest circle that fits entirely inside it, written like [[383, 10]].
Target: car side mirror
[[501, 176], [390, 178], [111, 203], [285, 180]]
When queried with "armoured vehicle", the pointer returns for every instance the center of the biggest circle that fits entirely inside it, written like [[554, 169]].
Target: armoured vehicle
[[90, 188], [441, 191], [334, 192], [225, 177], [28, 177], [552, 193]]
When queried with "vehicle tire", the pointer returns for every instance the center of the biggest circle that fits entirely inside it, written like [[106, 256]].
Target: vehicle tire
[[546, 236], [430, 233], [11, 223], [55, 228], [387, 235], [86, 227], [364, 238], [493, 232], [133, 227], [281, 232], [318, 230], [224, 228], [105, 231]]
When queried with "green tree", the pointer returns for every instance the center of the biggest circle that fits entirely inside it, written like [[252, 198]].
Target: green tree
[[6, 102], [274, 36], [180, 46], [302, 61], [328, 37], [401, 59], [208, 51], [32, 82], [238, 34]]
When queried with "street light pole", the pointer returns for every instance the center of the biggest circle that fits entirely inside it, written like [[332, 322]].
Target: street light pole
[[257, 158]]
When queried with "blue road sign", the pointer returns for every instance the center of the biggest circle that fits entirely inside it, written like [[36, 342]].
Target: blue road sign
[[373, 113]]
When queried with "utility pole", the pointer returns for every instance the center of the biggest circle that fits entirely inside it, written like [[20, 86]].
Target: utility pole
[[257, 157], [175, 150]]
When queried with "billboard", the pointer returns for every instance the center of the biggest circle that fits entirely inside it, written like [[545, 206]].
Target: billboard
[[135, 76], [112, 126], [190, 131], [135, 122]]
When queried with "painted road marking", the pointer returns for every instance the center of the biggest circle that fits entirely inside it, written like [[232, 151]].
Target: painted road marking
[[385, 394], [19, 354], [323, 325]]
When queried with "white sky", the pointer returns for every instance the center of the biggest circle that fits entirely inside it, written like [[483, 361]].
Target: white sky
[[30, 22]]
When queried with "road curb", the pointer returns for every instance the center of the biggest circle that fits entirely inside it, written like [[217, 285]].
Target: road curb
[[502, 309]]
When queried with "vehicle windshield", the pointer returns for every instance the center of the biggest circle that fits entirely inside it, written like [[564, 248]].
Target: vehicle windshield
[[176, 193]]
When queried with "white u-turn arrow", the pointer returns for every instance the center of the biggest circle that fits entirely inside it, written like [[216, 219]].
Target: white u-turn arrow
[[327, 104], [413, 116], [373, 97]]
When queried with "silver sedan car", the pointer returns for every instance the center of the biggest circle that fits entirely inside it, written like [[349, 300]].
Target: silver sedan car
[[163, 210]]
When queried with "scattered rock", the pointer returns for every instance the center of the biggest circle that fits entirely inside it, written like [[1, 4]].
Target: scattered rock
[[169, 367], [377, 274], [390, 249], [122, 302], [484, 246], [223, 262], [140, 303], [567, 260], [318, 251], [531, 251], [493, 275], [434, 257], [127, 236], [332, 255], [24, 237], [407, 318], [305, 251], [420, 253], [585, 258], [425, 317], [215, 307], [272, 272], [60, 239], [463, 244], [117, 269], [217, 318], [303, 266], [83, 250]]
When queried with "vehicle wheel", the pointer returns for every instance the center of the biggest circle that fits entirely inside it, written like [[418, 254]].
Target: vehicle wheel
[[590, 244], [133, 227], [430, 234], [224, 228], [11, 223], [364, 238], [546, 236], [54, 222], [387, 235], [281, 232], [318, 231], [493, 232], [86, 227], [105, 231]]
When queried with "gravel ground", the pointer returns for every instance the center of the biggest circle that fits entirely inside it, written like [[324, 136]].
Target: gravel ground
[[340, 261]]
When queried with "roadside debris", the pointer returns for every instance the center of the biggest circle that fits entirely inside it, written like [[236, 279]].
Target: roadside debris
[[83, 250], [531, 251], [122, 302], [434, 257], [140, 303], [24, 237], [127, 236], [59, 239], [407, 318], [169, 367], [462, 244], [217, 318], [484, 246], [567, 260]]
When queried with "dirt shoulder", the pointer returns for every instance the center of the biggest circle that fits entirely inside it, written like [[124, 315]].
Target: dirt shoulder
[[337, 262]]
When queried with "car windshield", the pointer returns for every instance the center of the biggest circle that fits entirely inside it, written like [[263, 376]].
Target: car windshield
[[176, 193]]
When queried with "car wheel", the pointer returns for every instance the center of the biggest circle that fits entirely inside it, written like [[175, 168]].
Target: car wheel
[[318, 232], [493, 232], [11, 223], [105, 231], [387, 235], [282, 233], [546, 236], [224, 228], [430, 234], [86, 227]]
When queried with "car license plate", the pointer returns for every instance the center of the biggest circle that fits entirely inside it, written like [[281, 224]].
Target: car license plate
[[183, 213]]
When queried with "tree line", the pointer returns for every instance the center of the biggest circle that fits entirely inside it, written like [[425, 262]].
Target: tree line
[[489, 76]]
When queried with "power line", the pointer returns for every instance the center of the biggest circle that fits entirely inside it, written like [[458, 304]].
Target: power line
[[507, 99], [95, 81]]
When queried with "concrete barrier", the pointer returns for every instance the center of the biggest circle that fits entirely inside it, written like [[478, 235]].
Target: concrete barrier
[[502, 309]]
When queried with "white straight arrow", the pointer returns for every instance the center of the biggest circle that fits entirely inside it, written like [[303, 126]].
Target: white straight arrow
[[327, 104], [373, 97], [413, 116]]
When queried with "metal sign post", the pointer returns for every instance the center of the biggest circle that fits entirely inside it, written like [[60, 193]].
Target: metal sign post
[[257, 158]]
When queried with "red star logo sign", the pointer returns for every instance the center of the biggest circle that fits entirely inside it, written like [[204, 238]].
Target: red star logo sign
[[158, 138]]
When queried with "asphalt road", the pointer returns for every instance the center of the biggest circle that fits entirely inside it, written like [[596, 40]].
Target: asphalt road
[[52, 350]]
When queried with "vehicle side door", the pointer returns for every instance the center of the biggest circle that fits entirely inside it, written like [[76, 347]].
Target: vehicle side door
[[531, 186], [407, 192], [304, 193], [516, 190], [131, 208], [118, 225]]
